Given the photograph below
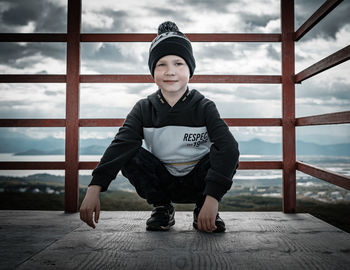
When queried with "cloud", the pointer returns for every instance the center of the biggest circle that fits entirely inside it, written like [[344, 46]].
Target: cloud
[[20, 55], [107, 20], [45, 16], [256, 22]]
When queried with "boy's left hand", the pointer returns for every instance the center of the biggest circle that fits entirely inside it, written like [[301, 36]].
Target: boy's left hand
[[207, 215]]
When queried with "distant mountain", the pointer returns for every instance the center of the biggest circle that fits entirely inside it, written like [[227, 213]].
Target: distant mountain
[[35, 152], [90, 150], [259, 147], [24, 145]]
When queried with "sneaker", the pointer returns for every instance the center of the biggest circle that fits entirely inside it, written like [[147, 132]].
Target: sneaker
[[220, 224], [162, 218]]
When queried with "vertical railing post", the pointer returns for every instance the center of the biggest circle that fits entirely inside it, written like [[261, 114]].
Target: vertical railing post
[[72, 107], [288, 106]]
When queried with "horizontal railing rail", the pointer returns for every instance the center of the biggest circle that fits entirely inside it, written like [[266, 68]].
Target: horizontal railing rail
[[117, 122], [139, 37], [324, 119], [326, 175], [89, 165], [326, 63]]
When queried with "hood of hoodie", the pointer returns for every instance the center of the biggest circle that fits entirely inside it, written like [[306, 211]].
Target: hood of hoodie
[[188, 99]]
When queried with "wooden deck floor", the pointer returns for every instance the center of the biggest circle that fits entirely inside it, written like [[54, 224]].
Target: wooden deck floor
[[253, 240]]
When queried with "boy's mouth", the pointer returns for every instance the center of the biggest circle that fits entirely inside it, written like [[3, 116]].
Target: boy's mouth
[[169, 81]]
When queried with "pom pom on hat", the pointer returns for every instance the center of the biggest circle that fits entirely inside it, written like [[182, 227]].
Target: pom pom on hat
[[170, 41], [167, 27]]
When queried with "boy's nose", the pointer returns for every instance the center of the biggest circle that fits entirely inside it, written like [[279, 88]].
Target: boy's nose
[[169, 71]]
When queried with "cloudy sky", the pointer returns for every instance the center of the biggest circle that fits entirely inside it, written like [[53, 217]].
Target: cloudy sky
[[324, 93]]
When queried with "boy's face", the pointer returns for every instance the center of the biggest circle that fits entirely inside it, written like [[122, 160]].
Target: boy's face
[[172, 74]]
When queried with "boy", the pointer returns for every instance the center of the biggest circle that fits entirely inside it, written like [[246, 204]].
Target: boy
[[192, 154]]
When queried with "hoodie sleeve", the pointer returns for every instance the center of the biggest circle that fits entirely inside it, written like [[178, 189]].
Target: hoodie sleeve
[[223, 154], [125, 144]]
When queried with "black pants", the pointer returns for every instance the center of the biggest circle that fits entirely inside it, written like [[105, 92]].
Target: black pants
[[154, 183]]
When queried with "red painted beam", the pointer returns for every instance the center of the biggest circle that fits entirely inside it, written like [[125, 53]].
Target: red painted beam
[[288, 106], [90, 165], [135, 78], [324, 119], [194, 37], [32, 122], [260, 165], [117, 122], [32, 78], [98, 122], [326, 63], [32, 165], [72, 106], [29, 37], [325, 9], [326, 175], [254, 122], [269, 79], [243, 165], [243, 122], [132, 78]]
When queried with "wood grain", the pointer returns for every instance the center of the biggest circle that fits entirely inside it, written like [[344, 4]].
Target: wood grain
[[253, 240]]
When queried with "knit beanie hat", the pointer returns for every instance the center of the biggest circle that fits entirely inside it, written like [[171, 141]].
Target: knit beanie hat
[[170, 41]]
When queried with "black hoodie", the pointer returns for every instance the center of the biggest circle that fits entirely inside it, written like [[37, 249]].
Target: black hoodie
[[179, 136]]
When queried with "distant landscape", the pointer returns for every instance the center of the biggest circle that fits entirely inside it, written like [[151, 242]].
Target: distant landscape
[[24, 145], [46, 192]]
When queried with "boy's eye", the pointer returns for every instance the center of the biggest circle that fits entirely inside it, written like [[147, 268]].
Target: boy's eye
[[160, 65], [179, 64]]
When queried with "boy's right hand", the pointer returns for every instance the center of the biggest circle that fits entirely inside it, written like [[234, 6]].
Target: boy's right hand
[[90, 204]]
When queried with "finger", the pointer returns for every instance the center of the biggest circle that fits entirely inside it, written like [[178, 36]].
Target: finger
[[200, 226], [81, 214], [213, 226], [208, 225], [97, 214], [89, 220]]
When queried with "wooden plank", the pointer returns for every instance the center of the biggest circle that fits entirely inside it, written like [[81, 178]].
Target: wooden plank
[[270, 79], [315, 18], [253, 240], [255, 122], [98, 122], [326, 63], [326, 175], [260, 165], [288, 106], [72, 106], [32, 165], [29, 37], [32, 78], [243, 165], [194, 37], [26, 233], [117, 122], [32, 122], [134, 78], [324, 119], [239, 37], [88, 165]]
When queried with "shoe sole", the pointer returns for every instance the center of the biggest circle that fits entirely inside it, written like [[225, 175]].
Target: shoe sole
[[160, 228]]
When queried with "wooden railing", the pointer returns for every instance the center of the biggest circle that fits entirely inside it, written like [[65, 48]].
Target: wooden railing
[[287, 79]]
